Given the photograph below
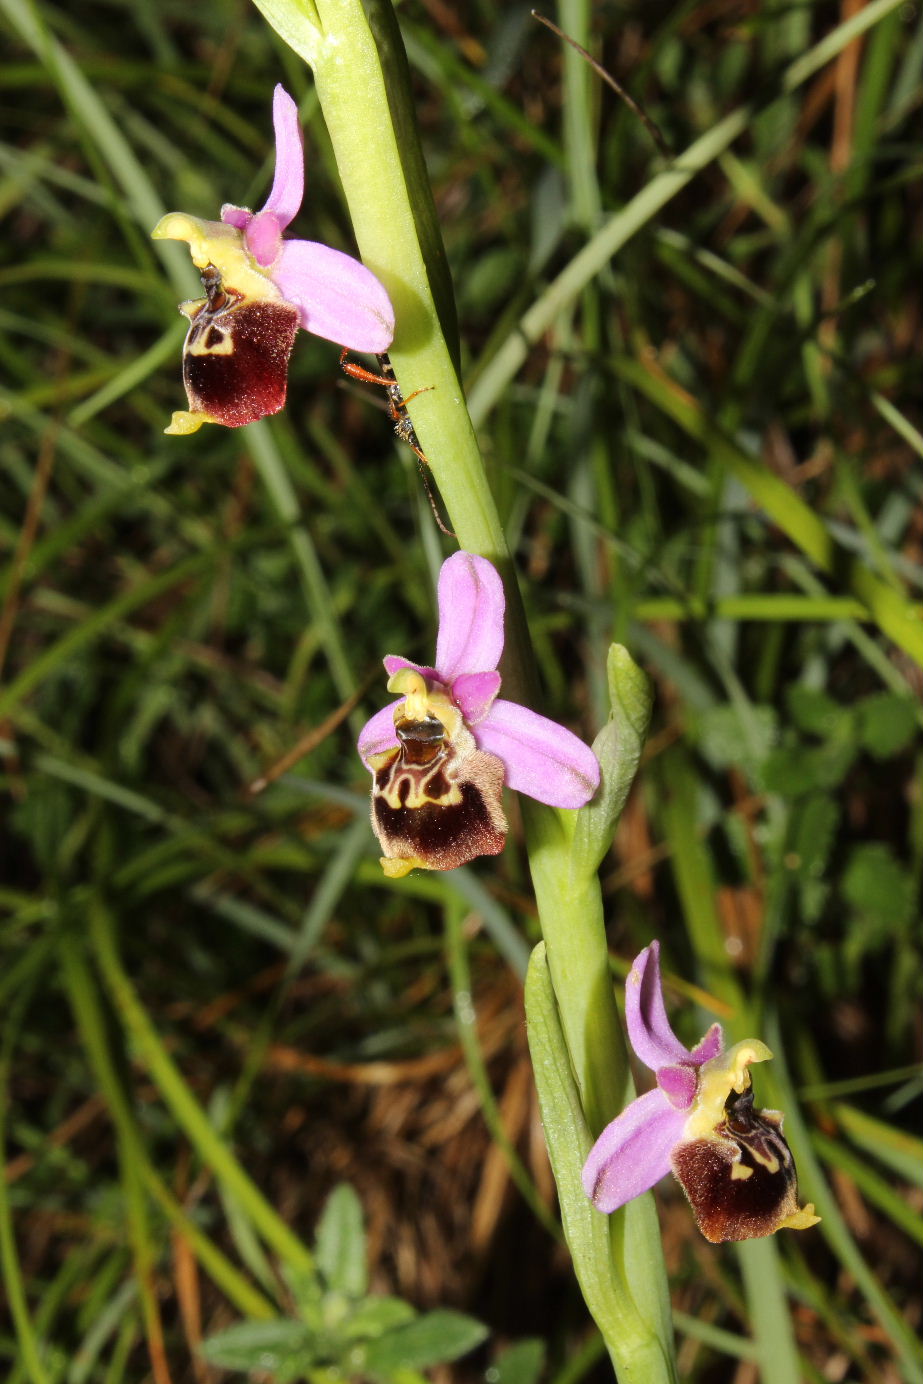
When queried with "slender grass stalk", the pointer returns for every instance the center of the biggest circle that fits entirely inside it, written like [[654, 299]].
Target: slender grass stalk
[[27, 973], [316, 590], [496, 376], [896, 617], [185, 1108], [90, 1022], [466, 1023]]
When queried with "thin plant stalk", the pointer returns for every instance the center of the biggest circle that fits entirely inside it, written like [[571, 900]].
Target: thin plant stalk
[[361, 78]]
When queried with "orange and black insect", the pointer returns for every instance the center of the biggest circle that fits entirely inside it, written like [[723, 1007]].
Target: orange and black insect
[[397, 410], [397, 404]]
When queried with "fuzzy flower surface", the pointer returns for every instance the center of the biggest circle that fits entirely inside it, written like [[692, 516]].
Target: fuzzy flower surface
[[260, 288], [441, 755], [700, 1123]]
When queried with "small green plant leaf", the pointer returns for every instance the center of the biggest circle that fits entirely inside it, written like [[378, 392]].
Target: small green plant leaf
[[374, 1317], [815, 711], [796, 769], [880, 891], [432, 1339], [340, 1248], [886, 723], [618, 748], [729, 736], [253, 1345], [814, 823], [521, 1364]]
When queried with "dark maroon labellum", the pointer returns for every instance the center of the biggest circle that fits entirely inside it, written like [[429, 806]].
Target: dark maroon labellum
[[741, 1182], [235, 359], [437, 802]]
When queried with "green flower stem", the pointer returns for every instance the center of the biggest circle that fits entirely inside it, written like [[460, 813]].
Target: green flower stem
[[390, 203], [571, 912], [618, 1259], [384, 182], [362, 83], [377, 153]]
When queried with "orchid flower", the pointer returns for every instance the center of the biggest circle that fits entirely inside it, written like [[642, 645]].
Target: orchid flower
[[441, 754], [730, 1159], [260, 288]]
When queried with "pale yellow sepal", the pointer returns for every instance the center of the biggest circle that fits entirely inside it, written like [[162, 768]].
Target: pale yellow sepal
[[397, 869], [802, 1219], [213, 242], [183, 422]]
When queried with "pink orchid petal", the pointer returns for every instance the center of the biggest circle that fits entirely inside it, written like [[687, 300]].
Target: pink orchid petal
[[378, 733], [337, 297], [633, 1152], [471, 605], [288, 184], [236, 216], [710, 1045], [263, 235], [474, 693], [649, 1028], [541, 758], [394, 663], [679, 1085]]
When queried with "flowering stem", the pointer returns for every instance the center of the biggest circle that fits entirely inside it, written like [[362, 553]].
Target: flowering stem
[[390, 203], [361, 78]]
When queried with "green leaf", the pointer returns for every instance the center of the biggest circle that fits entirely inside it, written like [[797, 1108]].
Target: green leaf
[[797, 769], [886, 723], [814, 823], [618, 748], [521, 1364], [253, 1345], [340, 1248], [374, 1317], [815, 711], [429, 1340], [731, 735], [880, 890]]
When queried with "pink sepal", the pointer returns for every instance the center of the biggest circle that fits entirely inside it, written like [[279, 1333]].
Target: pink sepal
[[288, 184], [471, 606]]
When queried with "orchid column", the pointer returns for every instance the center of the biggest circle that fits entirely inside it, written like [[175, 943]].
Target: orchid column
[[361, 78]]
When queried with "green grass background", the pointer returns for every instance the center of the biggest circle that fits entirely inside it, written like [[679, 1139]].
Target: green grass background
[[213, 1005]]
